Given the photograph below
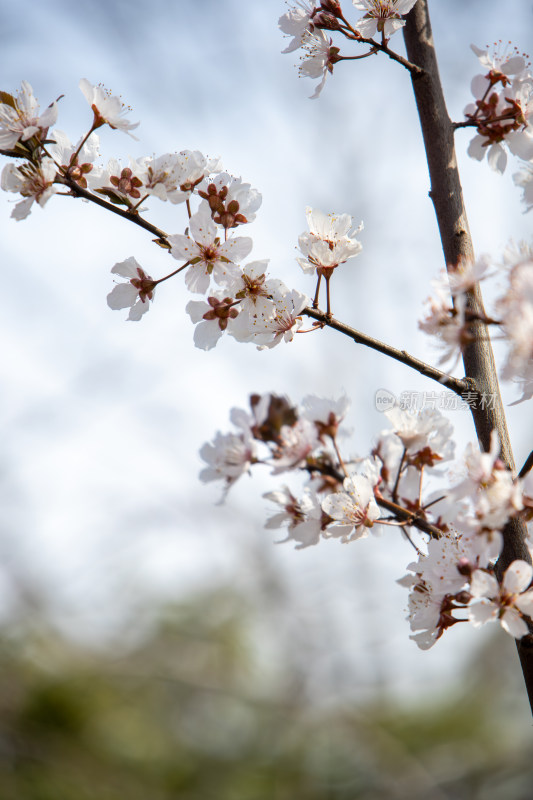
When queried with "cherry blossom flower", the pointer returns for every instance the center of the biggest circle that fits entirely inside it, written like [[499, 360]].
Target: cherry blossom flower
[[254, 290], [20, 120], [268, 331], [136, 293], [383, 16], [506, 603], [212, 318], [76, 165], [489, 487], [231, 201], [295, 23], [120, 185], [515, 309], [158, 175], [320, 59], [107, 108], [510, 63], [208, 256], [191, 171], [326, 414], [425, 435], [328, 243], [296, 442], [34, 182], [503, 109], [228, 457], [355, 506], [440, 584], [304, 518], [449, 326], [524, 178]]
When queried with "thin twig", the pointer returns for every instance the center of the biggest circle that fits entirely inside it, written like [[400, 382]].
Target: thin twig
[[94, 198], [458, 385]]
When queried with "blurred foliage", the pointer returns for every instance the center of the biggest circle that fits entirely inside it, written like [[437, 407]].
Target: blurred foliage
[[193, 713]]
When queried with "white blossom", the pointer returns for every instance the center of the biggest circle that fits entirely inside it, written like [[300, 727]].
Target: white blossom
[[355, 507], [136, 293], [330, 241], [295, 23], [319, 59], [34, 182], [383, 16], [107, 108], [207, 254], [505, 603], [20, 120]]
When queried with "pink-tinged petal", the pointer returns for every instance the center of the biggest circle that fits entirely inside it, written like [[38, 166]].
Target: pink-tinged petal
[[122, 296], [513, 623], [197, 279], [479, 85], [183, 247], [237, 249], [482, 612], [202, 227], [517, 577], [367, 27], [196, 310], [525, 603], [497, 158], [484, 585], [127, 269], [138, 309], [476, 149], [22, 209], [207, 334], [49, 116]]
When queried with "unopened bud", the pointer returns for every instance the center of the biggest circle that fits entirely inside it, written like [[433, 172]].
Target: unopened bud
[[464, 567], [332, 6], [326, 21]]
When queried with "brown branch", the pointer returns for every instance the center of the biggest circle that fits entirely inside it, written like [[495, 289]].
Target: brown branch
[[400, 513], [528, 464], [447, 197], [409, 518], [458, 385], [77, 191], [413, 68]]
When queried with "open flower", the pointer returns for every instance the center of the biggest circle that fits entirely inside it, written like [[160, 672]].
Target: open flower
[[207, 254], [355, 506], [506, 602], [321, 56], [34, 182], [107, 109], [20, 120], [295, 23], [136, 293], [382, 16]]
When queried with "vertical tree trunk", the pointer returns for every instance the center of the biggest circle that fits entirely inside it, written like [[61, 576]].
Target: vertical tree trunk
[[447, 197]]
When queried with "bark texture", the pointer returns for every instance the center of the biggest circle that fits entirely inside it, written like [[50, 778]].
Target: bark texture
[[447, 197]]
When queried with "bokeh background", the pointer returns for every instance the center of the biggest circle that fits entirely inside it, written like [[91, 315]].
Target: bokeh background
[[156, 643]]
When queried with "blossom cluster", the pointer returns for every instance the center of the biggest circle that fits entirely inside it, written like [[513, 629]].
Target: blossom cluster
[[240, 298], [449, 317], [306, 23], [502, 111], [457, 527]]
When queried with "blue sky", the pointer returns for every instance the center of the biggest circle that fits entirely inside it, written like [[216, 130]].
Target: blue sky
[[102, 419]]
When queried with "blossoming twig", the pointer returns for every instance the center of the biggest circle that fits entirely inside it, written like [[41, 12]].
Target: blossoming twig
[[77, 190]]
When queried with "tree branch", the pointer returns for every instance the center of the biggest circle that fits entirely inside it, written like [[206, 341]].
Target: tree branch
[[458, 385], [446, 194], [77, 191]]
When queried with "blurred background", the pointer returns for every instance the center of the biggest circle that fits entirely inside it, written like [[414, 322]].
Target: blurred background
[[156, 644]]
